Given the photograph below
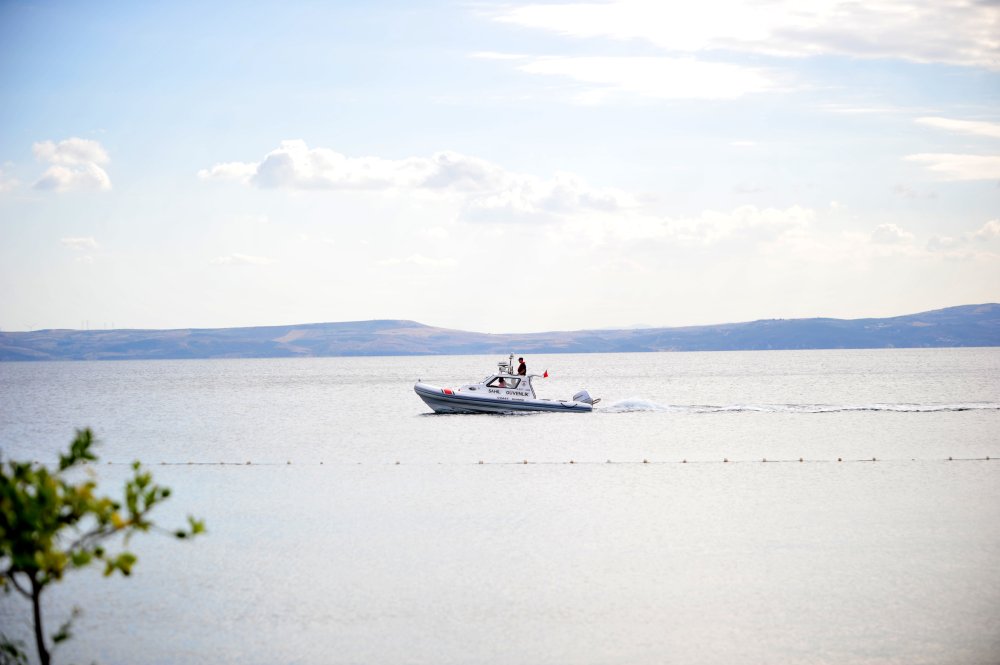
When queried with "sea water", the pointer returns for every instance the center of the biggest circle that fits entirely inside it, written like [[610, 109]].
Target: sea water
[[348, 524]]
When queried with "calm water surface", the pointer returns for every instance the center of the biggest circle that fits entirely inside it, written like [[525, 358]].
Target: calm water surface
[[365, 529]]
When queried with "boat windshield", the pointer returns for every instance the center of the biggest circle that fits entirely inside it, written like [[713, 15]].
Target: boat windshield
[[504, 382]]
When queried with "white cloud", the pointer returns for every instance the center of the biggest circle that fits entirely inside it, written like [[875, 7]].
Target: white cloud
[[851, 248], [525, 198], [494, 55], [453, 170], [241, 260], [942, 243], [748, 188], [420, 260], [782, 236], [237, 171], [654, 77], [986, 233], [980, 128], [744, 224], [8, 184], [861, 110], [890, 234], [80, 244], [436, 233], [747, 222], [75, 165], [958, 249], [71, 152], [989, 230], [960, 167], [294, 165], [62, 178], [904, 29], [251, 219], [908, 192], [486, 190]]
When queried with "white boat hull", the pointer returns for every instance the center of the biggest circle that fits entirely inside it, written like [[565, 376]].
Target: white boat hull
[[447, 400]]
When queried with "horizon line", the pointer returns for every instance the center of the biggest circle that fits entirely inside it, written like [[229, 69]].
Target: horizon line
[[542, 332]]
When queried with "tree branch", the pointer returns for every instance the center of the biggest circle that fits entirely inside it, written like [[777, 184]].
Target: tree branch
[[13, 581]]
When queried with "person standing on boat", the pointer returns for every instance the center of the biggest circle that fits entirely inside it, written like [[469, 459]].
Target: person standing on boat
[[522, 369]]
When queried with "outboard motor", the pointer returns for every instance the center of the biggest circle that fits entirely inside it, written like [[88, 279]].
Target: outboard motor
[[584, 396]]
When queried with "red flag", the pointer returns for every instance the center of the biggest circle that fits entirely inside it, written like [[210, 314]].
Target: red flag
[[546, 374]]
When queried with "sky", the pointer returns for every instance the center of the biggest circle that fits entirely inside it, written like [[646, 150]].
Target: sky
[[495, 166]]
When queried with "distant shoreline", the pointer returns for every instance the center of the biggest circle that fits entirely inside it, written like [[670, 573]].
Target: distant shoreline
[[952, 327]]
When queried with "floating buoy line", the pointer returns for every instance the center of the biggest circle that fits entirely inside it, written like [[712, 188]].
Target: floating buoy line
[[634, 462]]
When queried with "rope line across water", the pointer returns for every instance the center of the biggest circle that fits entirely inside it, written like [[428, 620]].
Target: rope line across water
[[644, 461]]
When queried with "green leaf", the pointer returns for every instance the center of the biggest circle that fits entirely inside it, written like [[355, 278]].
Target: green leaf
[[81, 558], [12, 652]]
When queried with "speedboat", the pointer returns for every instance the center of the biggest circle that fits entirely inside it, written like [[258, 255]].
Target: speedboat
[[502, 392]]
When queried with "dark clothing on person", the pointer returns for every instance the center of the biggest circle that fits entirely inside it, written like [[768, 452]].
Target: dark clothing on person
[[522, 369]]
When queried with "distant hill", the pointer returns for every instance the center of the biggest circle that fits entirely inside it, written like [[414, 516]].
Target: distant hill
[[968, 325]]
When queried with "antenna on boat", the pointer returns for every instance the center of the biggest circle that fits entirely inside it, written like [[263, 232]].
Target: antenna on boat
[[507, 367]]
